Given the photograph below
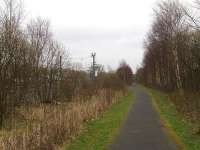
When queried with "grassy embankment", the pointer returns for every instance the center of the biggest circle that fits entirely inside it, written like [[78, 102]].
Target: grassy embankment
[[179, 127], [99, 133]]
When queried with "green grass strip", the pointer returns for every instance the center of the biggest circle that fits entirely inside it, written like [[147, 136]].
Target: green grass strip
[[100, 132], [175, 121]]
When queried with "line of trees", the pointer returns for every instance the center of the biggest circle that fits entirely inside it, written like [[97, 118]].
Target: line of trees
[[172, 57], [172, 49], [125, 73], [35, 68], [30, 62]]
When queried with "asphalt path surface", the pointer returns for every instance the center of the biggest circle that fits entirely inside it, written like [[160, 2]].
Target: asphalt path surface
[[143, 129]]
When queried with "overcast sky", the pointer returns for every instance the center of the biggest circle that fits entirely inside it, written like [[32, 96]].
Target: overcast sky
[[114, 29]]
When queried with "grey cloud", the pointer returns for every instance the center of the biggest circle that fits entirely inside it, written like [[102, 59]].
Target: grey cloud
[[111, 46]]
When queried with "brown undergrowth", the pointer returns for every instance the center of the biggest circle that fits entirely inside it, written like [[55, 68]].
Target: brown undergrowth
[[46, 127], [188, 105]]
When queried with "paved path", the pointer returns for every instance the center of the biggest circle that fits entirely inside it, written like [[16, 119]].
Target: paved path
[[142, 129]]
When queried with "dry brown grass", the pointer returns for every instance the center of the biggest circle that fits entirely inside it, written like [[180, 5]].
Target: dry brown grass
[[45, 127], [189, 106]]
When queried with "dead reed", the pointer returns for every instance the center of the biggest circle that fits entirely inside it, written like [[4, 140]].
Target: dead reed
[[46, 127]]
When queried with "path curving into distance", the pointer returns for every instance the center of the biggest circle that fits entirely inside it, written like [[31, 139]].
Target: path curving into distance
[[143, 129]]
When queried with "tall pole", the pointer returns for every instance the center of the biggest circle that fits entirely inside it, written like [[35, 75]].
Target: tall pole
[[60, 67], [60, 78], [93, 65]]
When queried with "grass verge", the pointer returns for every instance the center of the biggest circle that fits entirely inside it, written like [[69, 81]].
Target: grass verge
[[180, 128], [99, 133]]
